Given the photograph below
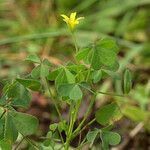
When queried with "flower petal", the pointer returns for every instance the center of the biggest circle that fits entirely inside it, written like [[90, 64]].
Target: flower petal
[[65, 17], [80, 18], [73, 16], [76, 22]]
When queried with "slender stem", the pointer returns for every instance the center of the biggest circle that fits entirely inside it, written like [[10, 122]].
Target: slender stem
[[31, 143], [75, 133], [75, 41], [73, 115], [111, 94], [88, 75], [99, 92], [70, 120], [61, 137], [55, 104], [80, 136], [93, 120], [52, 98], [82, 144], [5, 124]]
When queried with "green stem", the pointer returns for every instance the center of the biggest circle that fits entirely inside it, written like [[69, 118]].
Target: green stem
[[76, 132], [61, 137], [73, 115], [93, 120], [75, 41], [52, 98], [99, 92], [55, 104], [31, 143], [111, 94], [82, 144], [88, 75], [88, 124]]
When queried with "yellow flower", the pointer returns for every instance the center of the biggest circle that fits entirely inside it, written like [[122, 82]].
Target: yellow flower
[[72, 21]]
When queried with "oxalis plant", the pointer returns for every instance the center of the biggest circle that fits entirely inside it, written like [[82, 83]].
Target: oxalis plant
[[73, 81]]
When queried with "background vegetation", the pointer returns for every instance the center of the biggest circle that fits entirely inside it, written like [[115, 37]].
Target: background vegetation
[[35, 26]]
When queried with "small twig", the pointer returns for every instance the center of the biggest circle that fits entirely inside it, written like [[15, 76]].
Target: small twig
[[88, 124], [99, 92], [111, 94], [136, 130]]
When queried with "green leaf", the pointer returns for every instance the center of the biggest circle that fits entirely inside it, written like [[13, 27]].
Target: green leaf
[[3, 100], [82, 54], [46, 62], [127, 81], [104, 53], [33, 58], [135, 113], [36, 72], [53, 126], [44, 70], [65, 76], [1, 111], [108, 114], [41, 70], [10, 131], [114, 75], [5, 145], [109, 138], [112, 67], [45, 65], [30, 83], [75, 93], [141, 95], [2, 123], [72, 90], [85, 85], [24, 123], [76, 68], [19, 94], [65, 89], [91, 136], [52, 75], [62, 126], [96, 76], [114, 138]]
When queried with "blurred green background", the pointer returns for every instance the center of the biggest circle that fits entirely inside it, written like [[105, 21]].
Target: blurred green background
[[35, 26]]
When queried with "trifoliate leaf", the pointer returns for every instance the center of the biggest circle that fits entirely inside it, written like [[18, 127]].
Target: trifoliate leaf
[[108, 114], [24, 123], [30, 83], [104, 53], [91, 136], [33, 58], [75, 93]]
